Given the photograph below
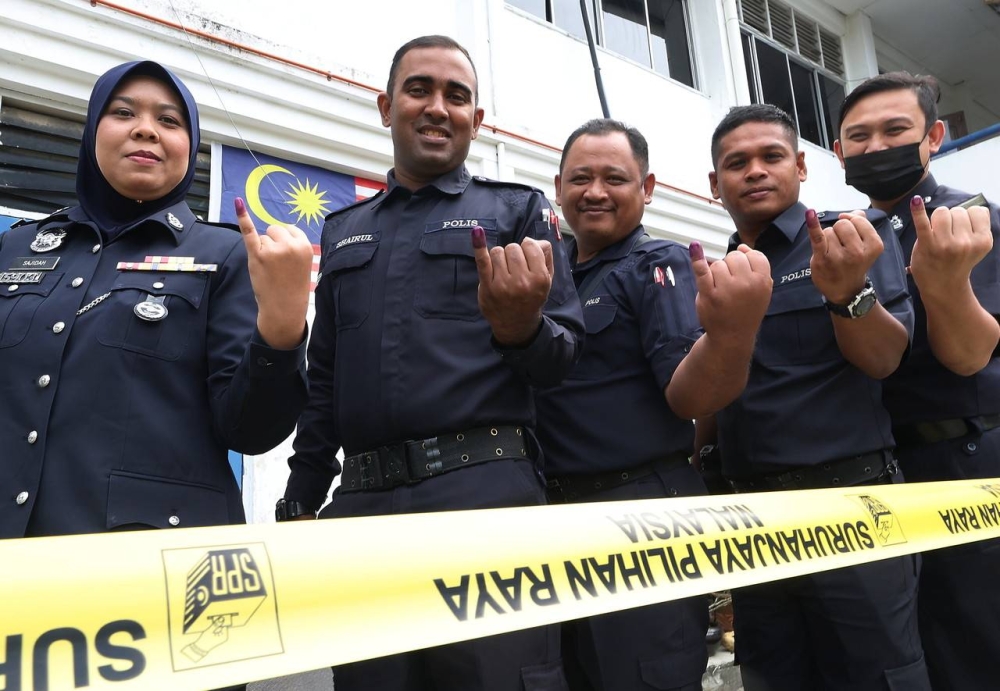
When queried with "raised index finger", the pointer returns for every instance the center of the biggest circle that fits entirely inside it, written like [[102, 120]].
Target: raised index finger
[[484, 265], [250, 236]]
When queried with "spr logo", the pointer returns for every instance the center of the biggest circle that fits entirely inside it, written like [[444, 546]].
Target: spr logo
[[887, 527], [221, 605]]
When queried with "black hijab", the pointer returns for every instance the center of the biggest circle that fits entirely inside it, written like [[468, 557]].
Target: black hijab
[[111, 211]]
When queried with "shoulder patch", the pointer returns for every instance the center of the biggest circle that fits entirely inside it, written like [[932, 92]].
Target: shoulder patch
[[359, 203]]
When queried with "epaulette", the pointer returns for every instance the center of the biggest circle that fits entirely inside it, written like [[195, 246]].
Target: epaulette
[[48, 219], [505, 183], [828, 218], [219, 224], [360, 202]]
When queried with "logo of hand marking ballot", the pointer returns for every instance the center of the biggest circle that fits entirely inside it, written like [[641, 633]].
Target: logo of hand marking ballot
[[228, 610]]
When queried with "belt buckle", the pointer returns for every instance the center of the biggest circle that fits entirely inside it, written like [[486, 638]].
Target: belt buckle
[[369, 468]]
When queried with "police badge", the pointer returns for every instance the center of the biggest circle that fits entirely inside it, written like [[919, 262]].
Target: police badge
[[47, 240]]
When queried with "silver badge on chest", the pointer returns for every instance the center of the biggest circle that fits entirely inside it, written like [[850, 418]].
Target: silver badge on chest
[[151, 309], [896, 222], [174, 221], [47, 240]]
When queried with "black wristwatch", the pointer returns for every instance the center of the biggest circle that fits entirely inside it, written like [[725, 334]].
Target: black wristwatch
[[859, 306], [286, 510]]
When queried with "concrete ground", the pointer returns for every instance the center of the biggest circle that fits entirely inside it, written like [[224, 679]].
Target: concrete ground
[[721, 675]]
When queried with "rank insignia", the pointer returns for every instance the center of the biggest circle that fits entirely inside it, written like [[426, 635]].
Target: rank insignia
[[174, 221], [47, 240]]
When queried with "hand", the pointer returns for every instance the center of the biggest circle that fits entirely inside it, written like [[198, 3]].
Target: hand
[[514, 283], [280, 263], [842, 255], [949, 245], [733, 294]]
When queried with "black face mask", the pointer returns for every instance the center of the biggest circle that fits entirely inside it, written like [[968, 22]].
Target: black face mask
[[885, 175]]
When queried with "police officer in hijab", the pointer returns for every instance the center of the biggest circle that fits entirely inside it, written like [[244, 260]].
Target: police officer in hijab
[[132, 351]]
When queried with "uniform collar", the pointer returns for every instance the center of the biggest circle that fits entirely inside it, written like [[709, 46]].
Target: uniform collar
[[177, 219], [789, 224], [452, 182], [613, 252]]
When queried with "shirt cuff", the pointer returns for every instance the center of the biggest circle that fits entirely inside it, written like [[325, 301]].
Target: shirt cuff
[[266, 361], [528, 353]]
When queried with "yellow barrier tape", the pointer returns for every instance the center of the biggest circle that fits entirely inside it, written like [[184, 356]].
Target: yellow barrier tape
[[209, 607]]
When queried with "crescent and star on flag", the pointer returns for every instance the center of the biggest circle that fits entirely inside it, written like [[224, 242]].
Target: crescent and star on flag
[[305, 199]]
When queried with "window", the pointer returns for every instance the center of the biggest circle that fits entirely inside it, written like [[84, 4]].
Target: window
[[794, 64], [653, 33], [38, 155]]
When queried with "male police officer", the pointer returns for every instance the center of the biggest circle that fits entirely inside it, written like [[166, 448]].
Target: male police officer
[[945, 399], [427, 388], [644, 345], [811, 413]]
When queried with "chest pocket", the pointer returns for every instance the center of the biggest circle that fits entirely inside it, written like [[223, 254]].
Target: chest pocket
[[348, 269], [797, 329], [18, 307], [448, 286], [167, 338], [598, 359]]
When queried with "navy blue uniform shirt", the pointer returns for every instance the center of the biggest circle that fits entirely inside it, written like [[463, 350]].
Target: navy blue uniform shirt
[[399, 349], [110, 420], [804, 403], [922, 388], [610, 413]]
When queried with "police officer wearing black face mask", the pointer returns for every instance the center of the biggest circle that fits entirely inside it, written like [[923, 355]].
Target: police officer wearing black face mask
[[945, 399]]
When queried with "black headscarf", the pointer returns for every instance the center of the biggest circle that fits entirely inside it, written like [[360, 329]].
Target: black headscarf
[[111, 211]]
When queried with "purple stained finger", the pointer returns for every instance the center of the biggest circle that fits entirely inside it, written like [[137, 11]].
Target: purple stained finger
[[478, 237], [697, 251]]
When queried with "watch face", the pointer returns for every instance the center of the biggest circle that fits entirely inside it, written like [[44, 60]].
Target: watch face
[[864, 304]]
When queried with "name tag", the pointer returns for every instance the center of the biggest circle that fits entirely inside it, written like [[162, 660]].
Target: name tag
[[34, 263], [21, 277], [461, 224]]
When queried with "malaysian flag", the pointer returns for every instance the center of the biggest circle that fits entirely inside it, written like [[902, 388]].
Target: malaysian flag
[[281, 191]]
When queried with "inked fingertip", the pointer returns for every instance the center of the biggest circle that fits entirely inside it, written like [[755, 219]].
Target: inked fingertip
[[916, 201], [478, 237], [811, 217], [241, 207], [696, 250]]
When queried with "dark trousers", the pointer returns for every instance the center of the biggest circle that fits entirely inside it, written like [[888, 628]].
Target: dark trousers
[[851, 629], [959, 604], [660, 646], [527, 660]]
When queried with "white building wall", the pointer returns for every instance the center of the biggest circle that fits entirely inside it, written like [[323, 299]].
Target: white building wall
[[535, 81]]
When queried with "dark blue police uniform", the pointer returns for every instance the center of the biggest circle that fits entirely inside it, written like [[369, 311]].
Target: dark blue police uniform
[[431, 413], [641, 322], [810, 419], [947, 427], [112, 420]]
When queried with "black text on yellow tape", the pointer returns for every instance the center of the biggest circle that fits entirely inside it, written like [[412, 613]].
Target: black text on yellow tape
[[209, 607]]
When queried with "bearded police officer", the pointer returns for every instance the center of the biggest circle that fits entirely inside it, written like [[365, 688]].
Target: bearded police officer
[[945, 399], [442, 304], [645, 345], [811, 415]]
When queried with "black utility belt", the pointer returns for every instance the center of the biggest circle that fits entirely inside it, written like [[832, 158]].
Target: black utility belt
[[943, 430], [878, 466], [564, 489], [410, 462]]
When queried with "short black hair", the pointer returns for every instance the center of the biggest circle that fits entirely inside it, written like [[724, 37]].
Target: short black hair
[[925, 87], [604, 126], [758, 112], [433, 41]]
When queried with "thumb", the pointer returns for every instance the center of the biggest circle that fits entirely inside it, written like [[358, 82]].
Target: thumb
[[816, 235], [700, 268], [484, 265], [250, 236], [921, 222]]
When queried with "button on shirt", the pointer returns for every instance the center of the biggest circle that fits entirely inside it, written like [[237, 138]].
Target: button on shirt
[[610, 412], [399, 349], [922, 388], [804, 403], [113, 420]]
